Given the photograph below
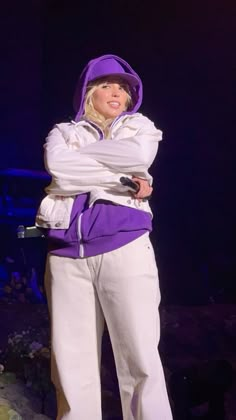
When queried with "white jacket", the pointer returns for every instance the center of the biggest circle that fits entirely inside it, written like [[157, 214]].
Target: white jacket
[[80, 162]]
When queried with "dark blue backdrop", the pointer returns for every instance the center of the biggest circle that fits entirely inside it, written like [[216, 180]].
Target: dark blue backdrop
[[185, 55]]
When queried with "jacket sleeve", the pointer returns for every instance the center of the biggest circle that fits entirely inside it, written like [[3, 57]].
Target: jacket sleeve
[[72, 172], [132, 155]]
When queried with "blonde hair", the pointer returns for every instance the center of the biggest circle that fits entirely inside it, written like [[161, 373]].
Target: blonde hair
[[89, 110]]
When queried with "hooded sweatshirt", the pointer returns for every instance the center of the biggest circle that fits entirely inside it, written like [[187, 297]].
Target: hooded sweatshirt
[[104, 226]]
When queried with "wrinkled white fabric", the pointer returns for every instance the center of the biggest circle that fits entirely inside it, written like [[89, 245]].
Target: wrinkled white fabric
[[122, 287]]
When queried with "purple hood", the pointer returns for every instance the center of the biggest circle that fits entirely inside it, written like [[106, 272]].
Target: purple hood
[[103, 66]]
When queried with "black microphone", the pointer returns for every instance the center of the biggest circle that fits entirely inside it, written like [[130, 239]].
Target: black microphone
[[132, 184], [129, 183]]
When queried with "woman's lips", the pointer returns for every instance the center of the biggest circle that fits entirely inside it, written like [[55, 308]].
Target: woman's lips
[[114, 104]]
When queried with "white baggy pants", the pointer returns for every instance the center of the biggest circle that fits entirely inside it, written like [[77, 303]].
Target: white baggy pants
[[122, 287]]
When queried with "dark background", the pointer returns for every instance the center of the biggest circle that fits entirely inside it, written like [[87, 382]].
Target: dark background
[[185, 54]]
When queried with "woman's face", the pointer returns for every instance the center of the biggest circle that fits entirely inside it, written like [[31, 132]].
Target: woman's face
[[110, 98]]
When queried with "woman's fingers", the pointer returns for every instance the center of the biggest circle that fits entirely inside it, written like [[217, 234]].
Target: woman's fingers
[[144, 188]]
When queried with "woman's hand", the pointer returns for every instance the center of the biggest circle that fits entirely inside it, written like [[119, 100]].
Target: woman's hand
[[144, 188]]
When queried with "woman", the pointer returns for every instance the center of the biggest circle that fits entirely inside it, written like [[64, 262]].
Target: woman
[[101, 264]]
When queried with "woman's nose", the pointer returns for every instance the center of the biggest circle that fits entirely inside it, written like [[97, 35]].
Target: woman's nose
[[115, 91]]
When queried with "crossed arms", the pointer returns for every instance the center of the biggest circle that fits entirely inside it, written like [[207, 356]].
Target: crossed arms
[[101, 164]]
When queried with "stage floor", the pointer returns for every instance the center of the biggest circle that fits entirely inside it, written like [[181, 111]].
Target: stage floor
[[190, 335]]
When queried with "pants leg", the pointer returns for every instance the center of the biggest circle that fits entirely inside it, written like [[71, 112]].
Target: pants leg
[[76, 329], [128, 291]]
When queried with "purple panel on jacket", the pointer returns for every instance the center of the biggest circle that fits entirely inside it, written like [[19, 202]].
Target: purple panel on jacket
[[104, 227]]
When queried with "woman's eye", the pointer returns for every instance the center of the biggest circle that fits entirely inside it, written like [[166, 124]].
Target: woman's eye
[[105, 86]]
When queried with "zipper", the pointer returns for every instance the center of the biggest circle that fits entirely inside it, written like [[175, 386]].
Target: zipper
[[101, 133], [81, 247], [99, 130], [114, 122], [91, 124]]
